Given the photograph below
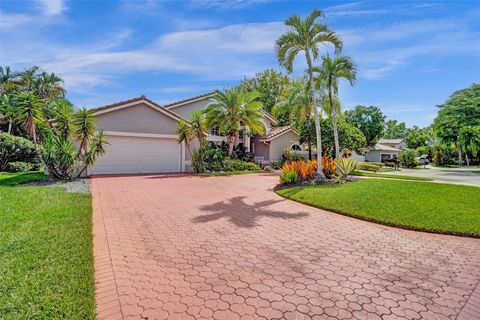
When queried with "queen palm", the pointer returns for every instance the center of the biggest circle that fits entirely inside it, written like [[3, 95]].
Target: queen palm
[[232, 109], [329, 74], [28, 112], [305, 36]]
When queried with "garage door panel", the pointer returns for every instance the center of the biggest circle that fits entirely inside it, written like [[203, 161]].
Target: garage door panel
[[139, 155]]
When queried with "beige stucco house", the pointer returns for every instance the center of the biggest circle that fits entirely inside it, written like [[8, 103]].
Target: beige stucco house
[[142, 138], [385, 149]]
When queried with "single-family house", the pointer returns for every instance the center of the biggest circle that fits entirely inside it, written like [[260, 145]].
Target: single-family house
[[142, 137], [385, 149]]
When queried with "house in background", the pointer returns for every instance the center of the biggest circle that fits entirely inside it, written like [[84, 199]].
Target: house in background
[[142, 137], [265, 148], [385, 149]]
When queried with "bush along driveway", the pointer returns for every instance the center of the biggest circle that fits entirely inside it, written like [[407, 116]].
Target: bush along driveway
[[46, 267], [182, 246]]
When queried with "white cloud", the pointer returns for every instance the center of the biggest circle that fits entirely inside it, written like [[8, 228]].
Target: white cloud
[[225, 5], [12, 21], [51, 7]]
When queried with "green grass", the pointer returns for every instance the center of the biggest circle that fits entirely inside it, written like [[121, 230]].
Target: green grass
[[229, 173], [12, 179], [434, 207], [390, 176], [46, 263]]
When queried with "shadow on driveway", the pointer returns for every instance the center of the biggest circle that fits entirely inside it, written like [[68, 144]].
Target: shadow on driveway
[[242, 214]]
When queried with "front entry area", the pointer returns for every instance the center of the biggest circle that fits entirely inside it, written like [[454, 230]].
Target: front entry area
[[130, 154]]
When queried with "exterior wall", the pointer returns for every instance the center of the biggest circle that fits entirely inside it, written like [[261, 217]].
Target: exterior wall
[[261, 149], [376, 156], [187, 109], [279, 144], [139, 119]]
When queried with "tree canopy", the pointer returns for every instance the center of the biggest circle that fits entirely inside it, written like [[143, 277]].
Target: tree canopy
[[370, 121]]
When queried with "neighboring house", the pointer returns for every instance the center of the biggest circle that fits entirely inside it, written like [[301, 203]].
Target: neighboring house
[[142, 137], [385, 149]]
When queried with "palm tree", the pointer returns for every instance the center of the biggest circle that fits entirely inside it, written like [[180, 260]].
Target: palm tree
[[298, 105], [48, 86], [184, 133], [231, 109], [329, 73], [7, 79], [7, 108], [198, 127], [28, 112], [84, 124], [306, 36]]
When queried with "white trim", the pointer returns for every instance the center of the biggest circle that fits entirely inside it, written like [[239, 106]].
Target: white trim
[[134, 104], [138, 134], [175, 105], [275, 137]]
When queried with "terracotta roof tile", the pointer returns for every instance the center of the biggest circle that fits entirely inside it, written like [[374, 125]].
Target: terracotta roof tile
[[276, 132]]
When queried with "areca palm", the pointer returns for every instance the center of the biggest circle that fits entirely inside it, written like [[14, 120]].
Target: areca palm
[[329, 74], [231, 109], [28, 112], [305, 36]]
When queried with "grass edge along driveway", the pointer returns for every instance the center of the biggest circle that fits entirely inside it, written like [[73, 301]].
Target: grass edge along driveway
[[46, 259], [433, 207]]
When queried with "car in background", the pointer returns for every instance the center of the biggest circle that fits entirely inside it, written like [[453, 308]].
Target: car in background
[[423, 160]]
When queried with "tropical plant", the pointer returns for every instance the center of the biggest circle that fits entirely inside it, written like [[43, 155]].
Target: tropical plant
[[291, 155], [407, 158], [198, 160], [288, 176], [328, 166], [28, 108], [329, 74], [345, 166], [84, 128], [303, 169], [7, 111], [306, 36], [231, 109], [368, 166], [469, 139], [19, 166], [63, 112], [198, 127], [184, 134]]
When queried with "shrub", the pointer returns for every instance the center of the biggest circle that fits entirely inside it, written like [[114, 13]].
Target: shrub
[[198, 160], [328, 167], [14, 149], [303, 169], [407, 158], [345, 166], [290, 155], [380, 164], [424, 150], [239, 165], [368, 166], [276, 165], [288, 177], [268, 169], [19, 166], [389, 164]]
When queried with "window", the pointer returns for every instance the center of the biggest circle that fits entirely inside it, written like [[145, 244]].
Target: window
[[214, 131], [295, 147]]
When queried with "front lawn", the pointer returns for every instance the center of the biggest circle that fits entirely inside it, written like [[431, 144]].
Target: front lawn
[[390, 176], [443, 208], [46, 263]]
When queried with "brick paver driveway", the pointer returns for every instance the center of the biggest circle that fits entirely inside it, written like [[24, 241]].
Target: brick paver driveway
[[184, 247]]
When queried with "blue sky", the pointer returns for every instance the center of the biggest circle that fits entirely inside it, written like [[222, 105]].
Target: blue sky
[[411, 54]]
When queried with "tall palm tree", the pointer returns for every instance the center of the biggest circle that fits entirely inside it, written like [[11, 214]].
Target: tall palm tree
[[29, 112], [232, 109], [298, 105], [198, 127], [305, 36], [84, 124], [7, 110], [329, 74]]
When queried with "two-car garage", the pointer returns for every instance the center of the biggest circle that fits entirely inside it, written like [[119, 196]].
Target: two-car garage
[[141, 139]]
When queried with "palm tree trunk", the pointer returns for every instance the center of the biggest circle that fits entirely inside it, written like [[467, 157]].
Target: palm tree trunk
[[10, 126], [466, 159], [334, 118], [231, 143], [320, 175], [459, 155]]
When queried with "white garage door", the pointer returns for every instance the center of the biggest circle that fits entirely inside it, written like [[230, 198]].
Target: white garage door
[[139, 155]]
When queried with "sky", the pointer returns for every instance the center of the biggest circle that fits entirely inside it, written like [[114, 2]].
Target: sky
[[411, 55]]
